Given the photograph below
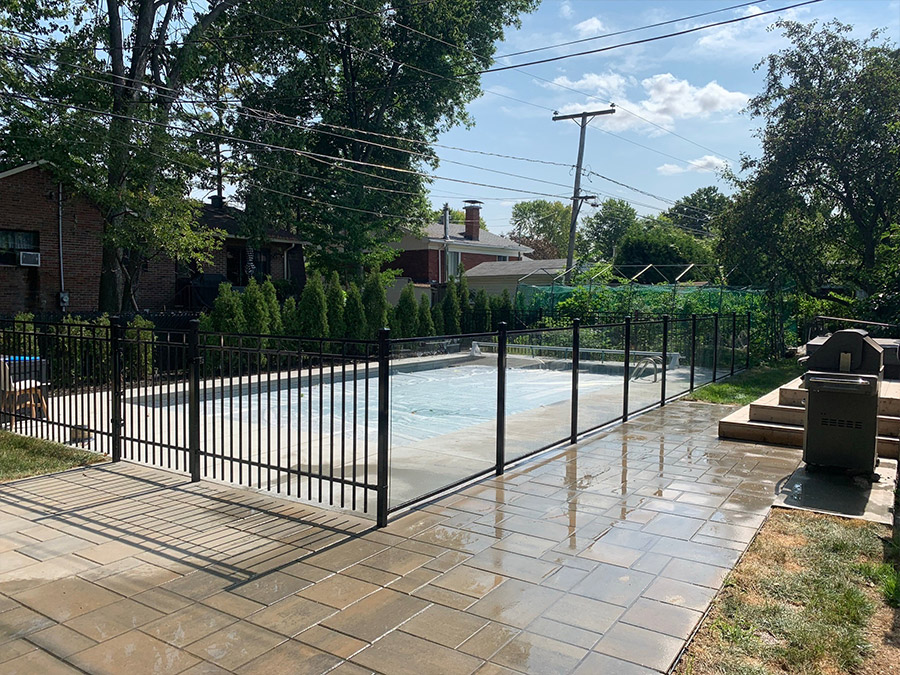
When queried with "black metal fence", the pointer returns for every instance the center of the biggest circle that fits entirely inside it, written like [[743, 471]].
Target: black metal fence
[[371, 426]]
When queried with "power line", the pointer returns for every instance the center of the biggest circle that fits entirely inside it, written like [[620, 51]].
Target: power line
[[625, 31]]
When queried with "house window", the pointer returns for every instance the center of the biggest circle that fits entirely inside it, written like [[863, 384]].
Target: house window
[[243, 263], [502, 258], [452, 264], [12, 242]]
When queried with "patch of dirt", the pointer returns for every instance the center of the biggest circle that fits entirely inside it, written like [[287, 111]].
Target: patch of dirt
[[884, 635]]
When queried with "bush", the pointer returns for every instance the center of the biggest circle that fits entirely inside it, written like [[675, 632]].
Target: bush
[[437, 318], [227, 314], [256, 309], [481, 314], [465, 302], [140, 349], [501, 309], [312, 319], [450, 305], [375, 304], [334, 301], [407, 314], [354, 315], [425, 325], [276, 327], [19, 338]]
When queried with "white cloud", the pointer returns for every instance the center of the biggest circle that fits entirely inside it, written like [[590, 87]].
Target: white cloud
[[565, 10], [705, 164], [673, 98], [607, 85], [664, 100], [589, 27]]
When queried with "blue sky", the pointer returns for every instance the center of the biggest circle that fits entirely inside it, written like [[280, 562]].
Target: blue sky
[[695, 86]]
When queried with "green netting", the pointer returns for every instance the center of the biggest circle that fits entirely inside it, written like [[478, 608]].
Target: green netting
[[773, 316]]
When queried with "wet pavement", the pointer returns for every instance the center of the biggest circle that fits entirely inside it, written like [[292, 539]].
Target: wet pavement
[[599, 558]]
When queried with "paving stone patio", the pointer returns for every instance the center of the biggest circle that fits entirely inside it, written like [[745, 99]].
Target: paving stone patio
[[599, 558]]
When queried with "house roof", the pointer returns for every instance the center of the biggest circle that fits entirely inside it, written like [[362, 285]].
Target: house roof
[[24, 167], [518, 268], [227, 218], [435, 232]]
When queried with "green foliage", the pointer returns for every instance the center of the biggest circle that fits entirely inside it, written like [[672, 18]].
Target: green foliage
[[276, 326], [256, 309], [660, 243], [81, 351], [355, 315], [816, 207], [425, 324], [450, 307], [501, 309], [437, 318], [18, 338], [290, 317], [407, 313], [465, 302], [698, 210], [600, 232], [334, 300], [312, 314], [227, 314], [139, 349], [748, 386], [481, 313], [345, 85], [544, 226], [375, 304]]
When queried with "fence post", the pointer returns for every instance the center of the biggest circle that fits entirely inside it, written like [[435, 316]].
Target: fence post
[[627, 368], [116, 336], [733, 338], [693, 348], [501, 399], [384, 381], [715, 345], [194, 361], [747, 364], [576, 362], [665, 360]]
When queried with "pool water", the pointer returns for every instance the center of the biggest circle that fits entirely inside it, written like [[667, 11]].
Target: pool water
[[424, 404]]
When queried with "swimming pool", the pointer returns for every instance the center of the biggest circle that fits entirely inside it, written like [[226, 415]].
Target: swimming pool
[[423, 403]]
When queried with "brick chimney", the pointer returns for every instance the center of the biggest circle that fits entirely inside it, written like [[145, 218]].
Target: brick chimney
[[473, 219]]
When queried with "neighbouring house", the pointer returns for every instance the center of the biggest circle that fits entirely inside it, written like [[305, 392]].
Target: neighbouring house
[[494, 277], [436, 255], [50, 253]]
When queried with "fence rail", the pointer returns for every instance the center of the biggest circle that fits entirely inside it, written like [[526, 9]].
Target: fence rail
[[372, 426]]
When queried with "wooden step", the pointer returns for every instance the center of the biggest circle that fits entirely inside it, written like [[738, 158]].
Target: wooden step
[[780, 414]]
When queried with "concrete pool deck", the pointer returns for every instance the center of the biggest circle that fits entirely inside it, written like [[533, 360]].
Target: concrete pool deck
[[597, 558]]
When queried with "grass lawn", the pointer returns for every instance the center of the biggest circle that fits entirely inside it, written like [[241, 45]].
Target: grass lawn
[[21, 457], [749, 385], [813, 594]]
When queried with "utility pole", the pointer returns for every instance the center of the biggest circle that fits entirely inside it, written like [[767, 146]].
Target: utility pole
[[583, 119]]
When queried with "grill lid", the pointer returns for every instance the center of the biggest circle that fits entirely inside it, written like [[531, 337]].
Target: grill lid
[[848, 351]]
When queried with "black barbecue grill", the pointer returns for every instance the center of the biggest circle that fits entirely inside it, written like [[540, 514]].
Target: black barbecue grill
[[843, 382]]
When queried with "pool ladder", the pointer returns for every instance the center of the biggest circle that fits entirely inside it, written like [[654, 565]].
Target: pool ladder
[[644, 365]]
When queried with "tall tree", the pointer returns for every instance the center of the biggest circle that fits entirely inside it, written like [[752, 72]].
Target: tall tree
[[820, 200], [377, 89], [543, 225], [697, 210], [96, 89], [601, 231]]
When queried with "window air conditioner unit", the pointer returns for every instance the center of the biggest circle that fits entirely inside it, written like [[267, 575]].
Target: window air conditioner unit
[[29, 259]]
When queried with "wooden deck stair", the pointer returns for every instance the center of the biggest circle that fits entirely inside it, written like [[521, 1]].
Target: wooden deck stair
[[778, 418]]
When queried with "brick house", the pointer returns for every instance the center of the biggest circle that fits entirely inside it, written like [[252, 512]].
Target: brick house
[[437, 254], [50, 253]]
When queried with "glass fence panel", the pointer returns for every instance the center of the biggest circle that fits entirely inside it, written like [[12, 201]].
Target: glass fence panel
[[600, 376], [705, 350], [646, 361], [443, 413], [538, 390], [678, 369]]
